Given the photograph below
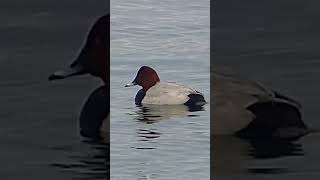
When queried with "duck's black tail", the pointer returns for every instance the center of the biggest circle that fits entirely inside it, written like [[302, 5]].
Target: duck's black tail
[[274, 120], [195, 100]]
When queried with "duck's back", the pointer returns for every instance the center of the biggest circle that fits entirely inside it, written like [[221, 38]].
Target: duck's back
[[240, 91], [168, 93]]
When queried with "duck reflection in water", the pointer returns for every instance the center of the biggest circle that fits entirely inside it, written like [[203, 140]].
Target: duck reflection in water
[[232, 155], [84, 163], [150, 114]]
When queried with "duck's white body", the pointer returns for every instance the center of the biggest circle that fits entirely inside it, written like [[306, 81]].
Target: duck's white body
[[157, 92], [232, 97], [168, 93]]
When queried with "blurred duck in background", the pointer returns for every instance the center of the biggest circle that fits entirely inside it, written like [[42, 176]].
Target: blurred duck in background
[[250, 110], [94, 59]]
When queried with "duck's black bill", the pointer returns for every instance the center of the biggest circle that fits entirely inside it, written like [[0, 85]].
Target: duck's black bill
[[55, 77], [131, 84], [77, 70]]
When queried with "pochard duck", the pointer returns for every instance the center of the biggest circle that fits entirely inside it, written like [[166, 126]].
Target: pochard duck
[[93, 59], [250, 110], [163, 93]]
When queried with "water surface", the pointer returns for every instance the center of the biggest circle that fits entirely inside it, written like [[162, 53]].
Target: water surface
[[159, 142]]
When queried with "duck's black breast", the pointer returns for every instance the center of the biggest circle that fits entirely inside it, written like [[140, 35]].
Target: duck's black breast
[[94, 111], [139, 96]]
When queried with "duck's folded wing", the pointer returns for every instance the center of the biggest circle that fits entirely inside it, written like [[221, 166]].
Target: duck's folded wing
[[168, 93], [240, 91], [245, 92]]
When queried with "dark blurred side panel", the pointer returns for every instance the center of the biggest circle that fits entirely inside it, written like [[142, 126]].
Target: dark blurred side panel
[[273, 45], [40, 132]]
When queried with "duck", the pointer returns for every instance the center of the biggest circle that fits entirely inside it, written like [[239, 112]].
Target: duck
[[93, 59], [250, 110], [163, 93]]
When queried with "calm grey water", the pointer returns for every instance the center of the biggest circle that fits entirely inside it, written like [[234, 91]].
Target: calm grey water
[[39, 135], [277, 43], [159, 142]]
